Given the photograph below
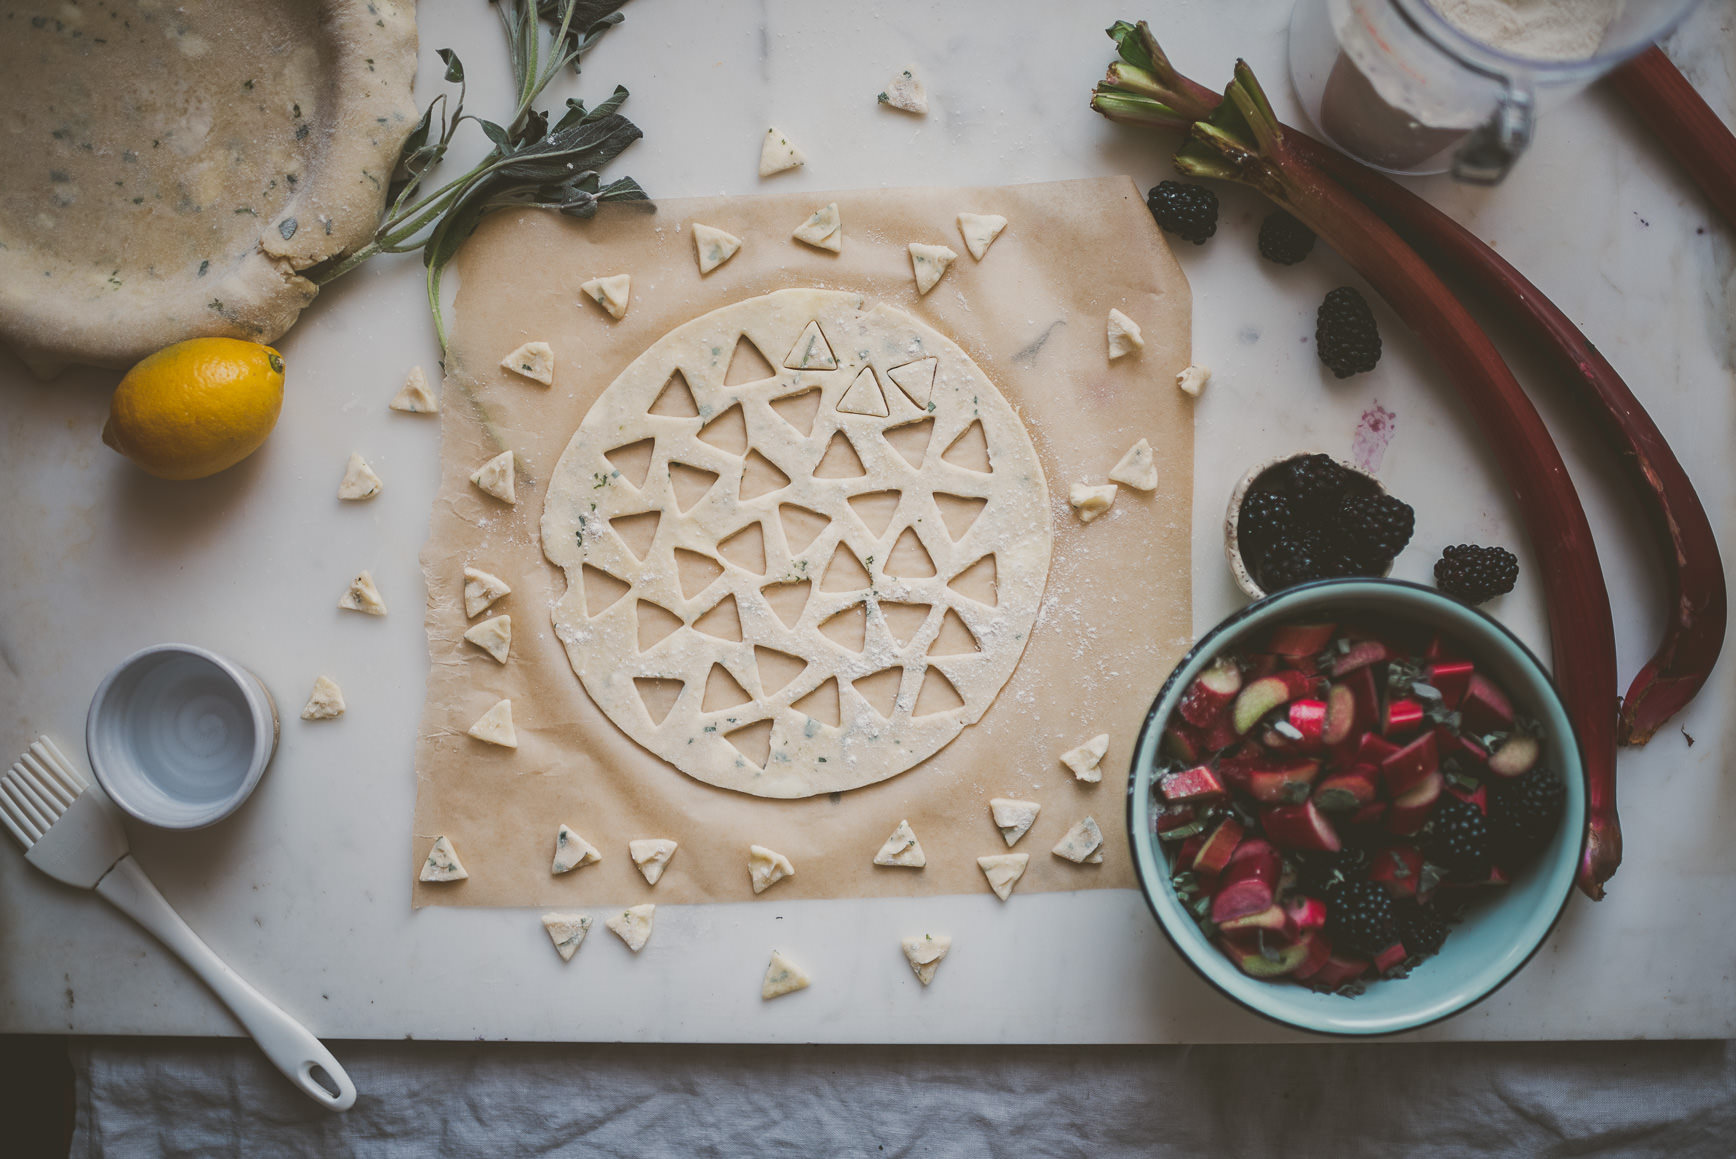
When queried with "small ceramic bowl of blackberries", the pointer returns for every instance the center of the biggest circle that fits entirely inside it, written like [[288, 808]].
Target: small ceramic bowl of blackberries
[[1311, 517]]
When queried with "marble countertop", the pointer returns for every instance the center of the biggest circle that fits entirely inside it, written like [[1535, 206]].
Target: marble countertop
[[303, 891]]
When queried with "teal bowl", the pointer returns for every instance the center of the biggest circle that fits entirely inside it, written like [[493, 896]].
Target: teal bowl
[[1501, 931]]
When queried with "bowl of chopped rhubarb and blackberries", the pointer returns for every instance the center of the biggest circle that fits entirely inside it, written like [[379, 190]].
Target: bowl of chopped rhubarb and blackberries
[[1357, 806]]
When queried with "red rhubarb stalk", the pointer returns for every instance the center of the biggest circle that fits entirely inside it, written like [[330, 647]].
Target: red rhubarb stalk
[[1244, 142], [1145, 89], [1679, 117]]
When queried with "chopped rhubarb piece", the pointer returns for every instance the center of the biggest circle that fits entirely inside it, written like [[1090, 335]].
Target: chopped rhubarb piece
[[1461, 748], [1274, 919], [1301, 640], [1248, 882], [1515, 756], [1217, 849], [1369, 813], [1258, 665], [1390, 958], [1362, 654], [1410, 810], [1174, 819], [1346, 791], [1416, 761], [1373, 750], [1286, 784], [1399, 868], [1235, 771], [1319, 952], [1403, 717], [1196, 784], [1263, 695], [1220, 736], [1340, 716], [1309, 913], [1182, 742], [1299, 827], [1485, 707], [1451, 678], [1260, 958], [1307, 717], [1186, 852], [1339, 970], [1209, 696]]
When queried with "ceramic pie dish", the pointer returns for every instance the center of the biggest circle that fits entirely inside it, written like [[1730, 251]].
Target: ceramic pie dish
[[171, 169]]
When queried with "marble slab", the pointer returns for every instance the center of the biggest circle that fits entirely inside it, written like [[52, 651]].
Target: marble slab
[[303, 890]]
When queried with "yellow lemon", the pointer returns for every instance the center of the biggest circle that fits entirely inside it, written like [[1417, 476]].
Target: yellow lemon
[[194, 408]]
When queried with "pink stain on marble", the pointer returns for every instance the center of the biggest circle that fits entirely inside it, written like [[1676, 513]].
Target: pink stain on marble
[[1373, 432]]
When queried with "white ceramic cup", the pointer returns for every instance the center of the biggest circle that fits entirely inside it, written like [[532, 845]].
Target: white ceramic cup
[[178, 736]]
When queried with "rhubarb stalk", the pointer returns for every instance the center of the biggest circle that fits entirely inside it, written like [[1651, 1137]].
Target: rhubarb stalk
[[1242, 141], [1678, 116], [1144, 88]]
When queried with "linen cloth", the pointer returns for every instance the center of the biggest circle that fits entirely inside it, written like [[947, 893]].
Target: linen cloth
[[184, 1097]]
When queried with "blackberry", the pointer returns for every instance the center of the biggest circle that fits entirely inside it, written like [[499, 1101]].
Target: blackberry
[[1264, 515], [1293, 559], [1284, 240], [1524, 813], [1475, 574], [1458, 839], [1359, 917], [1419, 928], [1319, 873], [1186, 210], [1345, 335], [1374, 528], [1317, 483]]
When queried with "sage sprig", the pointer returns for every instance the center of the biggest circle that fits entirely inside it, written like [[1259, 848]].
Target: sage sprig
[[530, 163]]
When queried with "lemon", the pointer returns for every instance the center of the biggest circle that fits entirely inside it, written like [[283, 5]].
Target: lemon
[[194, 408]]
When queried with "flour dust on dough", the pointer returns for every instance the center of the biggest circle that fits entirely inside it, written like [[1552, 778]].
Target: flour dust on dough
[[852, 588]]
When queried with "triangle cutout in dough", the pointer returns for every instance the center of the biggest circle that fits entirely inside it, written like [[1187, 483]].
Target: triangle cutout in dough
[[747, 364], [864, 396], [753, 741], [936, 695], [801, 526], [760, 476], [776, 669], [875, 509], [822, 703], [695, 572], [909, 559], [602, 590], [958, 512], [904, 620], [656, 622], [978, 582], [799, 409], [811, 351], [848, 628], [911, 440], [658, 694], [954, 638], [844, 573], [722, 621], [675, 400], [840, 460], [916, 380], [788, 600], [632, 460], [746, 549], [727, 432], [689, 484], [880, 690], [722, 690], [637, 532], [970, 450]]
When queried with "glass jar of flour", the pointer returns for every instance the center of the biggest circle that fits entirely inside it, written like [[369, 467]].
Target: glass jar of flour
[[1423, 86]]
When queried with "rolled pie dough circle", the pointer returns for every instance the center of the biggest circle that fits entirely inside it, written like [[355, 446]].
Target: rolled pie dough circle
[[880, 354]]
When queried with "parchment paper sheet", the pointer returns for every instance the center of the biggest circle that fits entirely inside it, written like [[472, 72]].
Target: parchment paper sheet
[[1115, 617]]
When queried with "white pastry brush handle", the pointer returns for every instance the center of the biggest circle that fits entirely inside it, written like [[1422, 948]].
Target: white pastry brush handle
[[289, 1045]]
